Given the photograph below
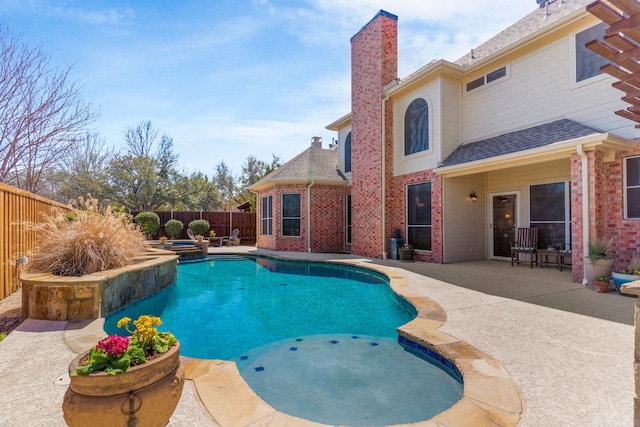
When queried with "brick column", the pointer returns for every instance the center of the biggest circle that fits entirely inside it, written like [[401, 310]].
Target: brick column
[[374, 64]]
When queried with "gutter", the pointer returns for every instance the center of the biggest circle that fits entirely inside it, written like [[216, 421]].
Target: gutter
[[383, 181], [585, 207], [309, 216]]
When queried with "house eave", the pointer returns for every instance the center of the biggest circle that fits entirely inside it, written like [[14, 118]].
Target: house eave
[[605, 142], [341, 123], [277, 182]]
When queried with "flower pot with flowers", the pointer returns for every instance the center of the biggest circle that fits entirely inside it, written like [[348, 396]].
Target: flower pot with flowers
[[597, 263], [405, 253], [630, 273], [601, 284], [126, 380]]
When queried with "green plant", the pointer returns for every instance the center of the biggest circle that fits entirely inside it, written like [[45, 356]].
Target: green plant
[[2, 336], [199, 227], [407, 247], [603, 279], [397, 233], [95, 240], [212, 233], [173, 228], [597, 249], [149, 222], [632, 268], [116, 354]]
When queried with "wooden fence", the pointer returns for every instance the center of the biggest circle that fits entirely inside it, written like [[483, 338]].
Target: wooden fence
[[17, 209], [222, 222]]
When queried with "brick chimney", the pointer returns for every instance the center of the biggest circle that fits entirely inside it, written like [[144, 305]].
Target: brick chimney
[[374, 64], [316, 142]]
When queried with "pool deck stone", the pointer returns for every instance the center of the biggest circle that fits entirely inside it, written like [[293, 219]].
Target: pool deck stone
[[526, 359]]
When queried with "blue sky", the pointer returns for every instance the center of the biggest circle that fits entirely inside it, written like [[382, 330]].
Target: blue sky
[[231, 78]]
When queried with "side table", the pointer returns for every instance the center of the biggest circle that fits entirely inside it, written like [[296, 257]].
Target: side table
[[549, 258]]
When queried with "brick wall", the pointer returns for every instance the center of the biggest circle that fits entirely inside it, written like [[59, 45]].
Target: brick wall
[[606, 206], [374, 62]]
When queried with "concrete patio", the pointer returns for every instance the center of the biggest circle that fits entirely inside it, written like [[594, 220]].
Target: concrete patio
[[569, 349]]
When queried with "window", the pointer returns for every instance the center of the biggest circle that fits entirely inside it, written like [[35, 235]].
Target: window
[[632, 187], [486, 79], [416, 127], [419, 215], [588, 63], [267, 216], [347, 153], [550, 212], [348, 210], [291, 214]]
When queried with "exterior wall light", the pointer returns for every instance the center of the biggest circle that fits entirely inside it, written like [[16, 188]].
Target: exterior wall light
[[473, 197]]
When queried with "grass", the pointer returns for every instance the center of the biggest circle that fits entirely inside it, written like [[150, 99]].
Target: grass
[[86, 241]]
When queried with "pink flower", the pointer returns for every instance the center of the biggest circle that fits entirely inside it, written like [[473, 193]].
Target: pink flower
[[114, 345]]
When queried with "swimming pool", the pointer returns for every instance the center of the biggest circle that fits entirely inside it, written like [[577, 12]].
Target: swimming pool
[[315, 340]]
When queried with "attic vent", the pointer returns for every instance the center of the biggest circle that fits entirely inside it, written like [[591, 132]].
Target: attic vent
[[486, 79]]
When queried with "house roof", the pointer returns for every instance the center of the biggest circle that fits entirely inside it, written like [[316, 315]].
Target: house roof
[[315, 164], [521, 140], [530, 24]]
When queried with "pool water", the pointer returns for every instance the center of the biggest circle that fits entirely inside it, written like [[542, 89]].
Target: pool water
[[223, 307], [314, 340]]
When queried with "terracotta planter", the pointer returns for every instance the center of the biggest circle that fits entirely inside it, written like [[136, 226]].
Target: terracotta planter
[[600, 286], [147, 393], [600, 268]]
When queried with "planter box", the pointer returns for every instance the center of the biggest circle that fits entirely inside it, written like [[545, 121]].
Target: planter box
[[47, 296], [405, 254]]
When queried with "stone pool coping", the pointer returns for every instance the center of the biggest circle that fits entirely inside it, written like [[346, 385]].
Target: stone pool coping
[[490, 395]]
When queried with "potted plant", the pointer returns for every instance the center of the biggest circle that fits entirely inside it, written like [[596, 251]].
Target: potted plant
[[395, 242], [601, 284], [630, 273], [126, 380], [405, 253], [597, 262]]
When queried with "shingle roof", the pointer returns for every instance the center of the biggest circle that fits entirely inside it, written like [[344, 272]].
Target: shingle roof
[[313, 164], [532, 23], [512, 142]]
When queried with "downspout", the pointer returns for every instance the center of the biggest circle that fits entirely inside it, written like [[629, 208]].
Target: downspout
[[258, 214], [585, 207], [309, 216], [383, 182]]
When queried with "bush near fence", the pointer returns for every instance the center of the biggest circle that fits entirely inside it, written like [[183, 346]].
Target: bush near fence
[[222, 222]]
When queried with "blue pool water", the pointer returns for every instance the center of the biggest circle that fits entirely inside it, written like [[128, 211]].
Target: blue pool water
[[223, 307], [314, 340]]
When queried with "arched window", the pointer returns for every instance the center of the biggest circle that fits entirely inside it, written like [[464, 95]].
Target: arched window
[[416, 127], [347, 153]]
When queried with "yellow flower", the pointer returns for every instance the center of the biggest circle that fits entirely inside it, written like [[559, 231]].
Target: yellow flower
[[123, 322]]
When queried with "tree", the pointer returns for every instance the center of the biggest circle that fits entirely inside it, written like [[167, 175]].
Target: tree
[[197, 193], [224, 180], [84, 169], [41, 113], [252, 171]]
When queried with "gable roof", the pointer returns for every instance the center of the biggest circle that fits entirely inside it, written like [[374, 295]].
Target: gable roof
[[521, 140], [312, 165], [530, 24]]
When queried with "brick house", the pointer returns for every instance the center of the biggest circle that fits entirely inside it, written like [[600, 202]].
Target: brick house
[[520, 132]]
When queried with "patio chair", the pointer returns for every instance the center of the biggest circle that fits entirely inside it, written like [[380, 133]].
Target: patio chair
[[233, 240], [190, 234], [526, 244]]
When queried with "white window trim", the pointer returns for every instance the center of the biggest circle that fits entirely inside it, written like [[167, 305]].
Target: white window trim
[[573, 84], [625, 188]]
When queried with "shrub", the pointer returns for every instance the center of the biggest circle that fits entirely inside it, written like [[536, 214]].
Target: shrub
[[149, 222], [173, 228], [200, 227], [598, 248], [95, 240]]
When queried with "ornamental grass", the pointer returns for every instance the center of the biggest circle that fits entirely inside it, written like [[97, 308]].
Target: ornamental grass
[[85, 241]]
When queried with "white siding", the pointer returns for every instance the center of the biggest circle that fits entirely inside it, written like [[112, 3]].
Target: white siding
[[519, 179], [451, 120], [465, 223], [540, 89], [427, 159]]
